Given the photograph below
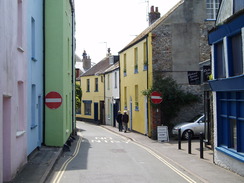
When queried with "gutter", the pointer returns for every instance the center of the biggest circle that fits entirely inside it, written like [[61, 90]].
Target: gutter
[[129, 46]]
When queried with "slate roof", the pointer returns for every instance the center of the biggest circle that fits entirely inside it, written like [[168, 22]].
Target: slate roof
[[152, 27], [112, 67], [99, 68]]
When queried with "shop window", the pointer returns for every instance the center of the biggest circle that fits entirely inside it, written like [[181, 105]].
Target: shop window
[[230, 122]]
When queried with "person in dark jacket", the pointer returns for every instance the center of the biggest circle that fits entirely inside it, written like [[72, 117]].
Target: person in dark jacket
[[125, 119], [119, 120]]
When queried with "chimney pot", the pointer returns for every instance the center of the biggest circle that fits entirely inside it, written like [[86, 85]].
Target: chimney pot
[[156, 9], [152, 9]]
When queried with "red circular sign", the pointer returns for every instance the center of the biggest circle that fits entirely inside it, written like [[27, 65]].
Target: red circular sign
[[53, 100], [156, 97]]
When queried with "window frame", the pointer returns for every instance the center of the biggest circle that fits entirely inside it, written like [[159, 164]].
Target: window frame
[[212, 11], [87, 85], [96, 85], [229, 108]]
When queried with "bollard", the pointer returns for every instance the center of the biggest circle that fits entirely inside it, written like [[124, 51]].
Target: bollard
[[189, 141], [201, 145], [179, 138]]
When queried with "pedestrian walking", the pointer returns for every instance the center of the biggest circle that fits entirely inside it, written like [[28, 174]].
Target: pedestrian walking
[[119, 120], [125, 119]]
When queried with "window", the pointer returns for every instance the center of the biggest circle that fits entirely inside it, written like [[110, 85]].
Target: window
[[124, 64], [212, 9], [96, 84], [238, 5], [136, 98], [33, 106], [108, 82], [220, 61], [233, 137], [125, 97], [20, 25], [88, 85], [145, 56], [230, 121], [115, 80], [87, 107], [33, 39], [236, 60], [136, 60], [20, 121]]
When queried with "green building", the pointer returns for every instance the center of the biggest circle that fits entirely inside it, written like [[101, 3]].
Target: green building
[[59, 72]]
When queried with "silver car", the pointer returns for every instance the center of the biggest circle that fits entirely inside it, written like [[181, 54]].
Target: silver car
[[196, 125]]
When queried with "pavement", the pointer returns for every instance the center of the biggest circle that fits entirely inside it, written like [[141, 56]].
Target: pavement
[[41, 162]]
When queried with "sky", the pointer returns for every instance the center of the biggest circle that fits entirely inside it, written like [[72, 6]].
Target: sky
[[103, 24]]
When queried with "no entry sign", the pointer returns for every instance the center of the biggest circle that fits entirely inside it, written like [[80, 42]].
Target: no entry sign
[[53, 100], [156, 97]]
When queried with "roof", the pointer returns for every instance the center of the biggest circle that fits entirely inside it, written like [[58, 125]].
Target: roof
[[151, 27], [112, 67], [99, 68]]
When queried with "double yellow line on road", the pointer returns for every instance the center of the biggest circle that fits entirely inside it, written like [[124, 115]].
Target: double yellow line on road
[[64, 166], [187, 178]]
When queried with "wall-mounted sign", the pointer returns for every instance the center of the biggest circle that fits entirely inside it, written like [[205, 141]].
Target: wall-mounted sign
[[194, 77], [53, 100], [156, 97]]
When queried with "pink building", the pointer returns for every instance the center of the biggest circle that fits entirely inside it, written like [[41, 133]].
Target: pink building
[[13, 137]]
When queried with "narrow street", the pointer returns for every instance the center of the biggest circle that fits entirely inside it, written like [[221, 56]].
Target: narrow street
[[98, 155]]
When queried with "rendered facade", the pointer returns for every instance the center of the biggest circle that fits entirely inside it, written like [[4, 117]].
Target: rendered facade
[[59, 71], [93, 92], [13, 88], [35, 74], [170, 47], [112, 86], [227, 41]]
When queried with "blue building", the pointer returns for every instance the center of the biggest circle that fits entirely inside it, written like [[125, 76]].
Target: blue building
[[227, 40], [35, 74]]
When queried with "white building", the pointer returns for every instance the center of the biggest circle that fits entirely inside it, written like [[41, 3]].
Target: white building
[[112, 88]]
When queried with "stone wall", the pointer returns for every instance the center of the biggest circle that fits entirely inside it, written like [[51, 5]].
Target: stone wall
[[164, 44]]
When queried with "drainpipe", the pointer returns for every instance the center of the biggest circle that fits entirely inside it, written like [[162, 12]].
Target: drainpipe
[[44, 60], [148, 103], [72, 68]]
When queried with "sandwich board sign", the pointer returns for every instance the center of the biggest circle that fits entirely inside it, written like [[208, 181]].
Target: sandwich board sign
[[163, 134]]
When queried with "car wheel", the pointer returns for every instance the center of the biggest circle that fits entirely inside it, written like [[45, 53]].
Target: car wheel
[[185, 134]]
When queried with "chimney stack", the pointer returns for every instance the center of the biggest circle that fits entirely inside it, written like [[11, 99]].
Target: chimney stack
[[86, 61], [153, 15]]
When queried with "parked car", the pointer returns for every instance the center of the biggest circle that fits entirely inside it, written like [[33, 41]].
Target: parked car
[[196, 125]]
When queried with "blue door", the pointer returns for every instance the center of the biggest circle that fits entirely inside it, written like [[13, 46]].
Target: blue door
[[95, 111]]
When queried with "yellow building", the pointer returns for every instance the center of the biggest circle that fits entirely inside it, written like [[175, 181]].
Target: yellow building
[[136, 76], [172, 46], [92, 86]]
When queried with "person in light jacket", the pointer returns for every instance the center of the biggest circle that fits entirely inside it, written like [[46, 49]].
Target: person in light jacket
[[125, 120]]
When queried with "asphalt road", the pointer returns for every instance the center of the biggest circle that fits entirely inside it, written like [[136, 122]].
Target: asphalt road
[[98, 155]]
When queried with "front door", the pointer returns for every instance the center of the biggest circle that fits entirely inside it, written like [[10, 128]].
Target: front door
[[95, 112]]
